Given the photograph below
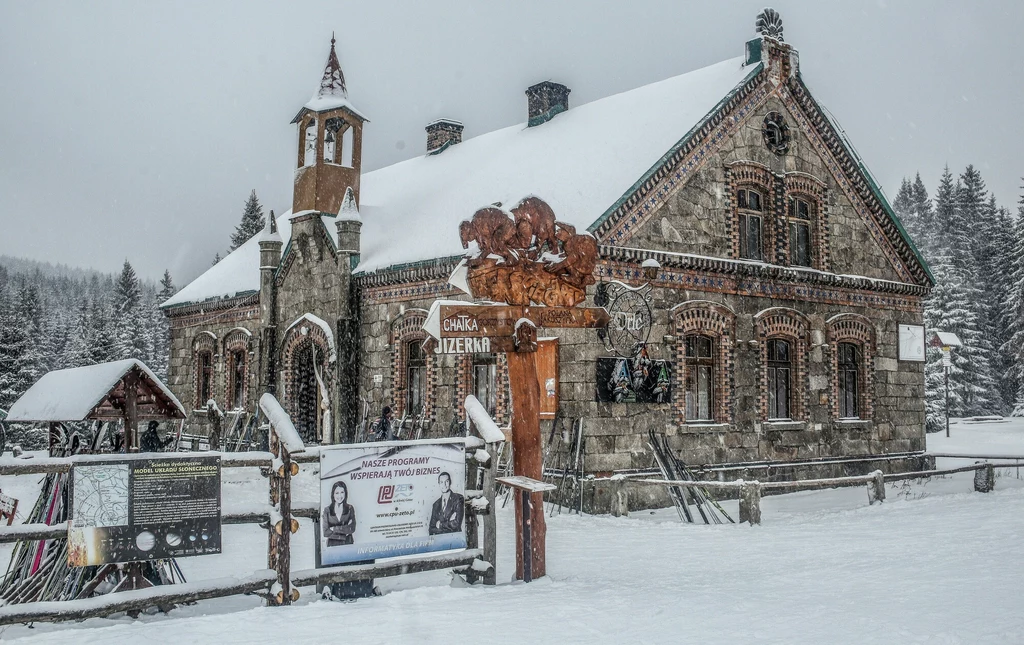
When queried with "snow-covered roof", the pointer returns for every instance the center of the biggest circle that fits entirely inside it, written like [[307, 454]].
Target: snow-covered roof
[[580, 162], [72, 394], [239, 272]]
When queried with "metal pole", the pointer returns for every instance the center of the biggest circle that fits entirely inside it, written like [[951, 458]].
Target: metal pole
[[527, 541], [945, 369]]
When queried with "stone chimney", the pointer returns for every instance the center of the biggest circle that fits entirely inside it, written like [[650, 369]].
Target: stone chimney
[[545, 100], [441, 134]]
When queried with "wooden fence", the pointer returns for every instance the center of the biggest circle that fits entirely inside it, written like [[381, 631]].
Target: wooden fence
[[277, 583], [750, 491]]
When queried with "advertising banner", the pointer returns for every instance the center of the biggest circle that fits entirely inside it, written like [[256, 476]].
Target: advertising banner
[[127, 510], [391, 498]]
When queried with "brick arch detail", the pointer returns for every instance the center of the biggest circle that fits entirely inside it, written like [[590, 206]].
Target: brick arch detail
[[812, 189], [750, 174], [292, 342], [718, 322], [407, 328], [856, 329], [791, 325]]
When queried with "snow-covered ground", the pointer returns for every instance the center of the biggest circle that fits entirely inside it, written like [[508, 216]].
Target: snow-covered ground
[[937, 563]]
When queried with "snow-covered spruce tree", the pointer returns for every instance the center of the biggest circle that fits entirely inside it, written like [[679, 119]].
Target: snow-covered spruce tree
[[216, 259], [77, 352], [1014, 309], [29, 315], [101, 332], [950, 308], [129, 317], [903, 206], [924, 216], [973, 216], [251, 224], [161, 332]]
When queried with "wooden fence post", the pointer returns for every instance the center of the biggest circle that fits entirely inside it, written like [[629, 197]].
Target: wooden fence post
[[985, 479], [750, 502], [491, 519], [620, 499], [876, 488]]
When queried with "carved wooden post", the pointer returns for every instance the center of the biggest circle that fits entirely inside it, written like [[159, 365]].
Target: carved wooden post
[[526, 446], [284, 557], [876, 488], [750, 503]]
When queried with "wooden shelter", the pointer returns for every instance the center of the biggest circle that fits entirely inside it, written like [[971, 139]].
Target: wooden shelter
[[126, 390]]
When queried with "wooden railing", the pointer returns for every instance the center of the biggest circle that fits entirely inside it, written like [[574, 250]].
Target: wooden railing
[[275, 583]]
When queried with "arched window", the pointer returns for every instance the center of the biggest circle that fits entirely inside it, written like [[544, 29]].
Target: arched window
[[780, 379], [309, 144], [849, 380], [851, 353], [236, 382], [416, 377], [331, 134], [704, 360], [700, 378], [801, 229], [750, 206], [204, 377], [485, 381]]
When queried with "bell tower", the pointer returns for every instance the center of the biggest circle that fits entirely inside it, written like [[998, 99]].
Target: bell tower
[[330, 144]]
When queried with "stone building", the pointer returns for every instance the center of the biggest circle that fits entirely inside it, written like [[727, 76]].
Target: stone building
[[784, 278]]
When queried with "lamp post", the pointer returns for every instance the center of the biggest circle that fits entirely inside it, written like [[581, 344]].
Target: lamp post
[[946, 341]]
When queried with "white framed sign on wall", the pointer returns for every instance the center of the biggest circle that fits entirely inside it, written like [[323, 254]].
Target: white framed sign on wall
[[912, 343]]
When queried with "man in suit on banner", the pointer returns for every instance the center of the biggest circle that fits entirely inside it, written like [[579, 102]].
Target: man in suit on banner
[[449, 508]]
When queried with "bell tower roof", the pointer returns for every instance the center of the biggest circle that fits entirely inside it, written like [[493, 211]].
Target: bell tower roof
[[332, 93]]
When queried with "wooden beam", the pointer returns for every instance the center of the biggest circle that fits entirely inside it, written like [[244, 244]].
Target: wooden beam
[[163, 595], [351, 573]]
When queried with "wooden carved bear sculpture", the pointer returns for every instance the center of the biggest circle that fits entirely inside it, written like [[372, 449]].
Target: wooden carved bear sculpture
[[493, 231], [519, 277], [535, 219]]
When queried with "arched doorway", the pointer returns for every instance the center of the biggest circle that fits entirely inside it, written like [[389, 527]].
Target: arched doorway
[[307, 378]]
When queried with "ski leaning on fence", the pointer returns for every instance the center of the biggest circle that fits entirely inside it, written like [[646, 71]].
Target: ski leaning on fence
[[674, 469]]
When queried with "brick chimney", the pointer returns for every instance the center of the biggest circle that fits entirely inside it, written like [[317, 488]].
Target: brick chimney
[[545, 100], [442, 134]]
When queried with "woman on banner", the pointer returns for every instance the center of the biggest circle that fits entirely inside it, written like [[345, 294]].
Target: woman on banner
[[339, 520]]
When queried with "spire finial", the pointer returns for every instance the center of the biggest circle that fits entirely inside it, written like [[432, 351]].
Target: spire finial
[[333, 81], [769, 23]]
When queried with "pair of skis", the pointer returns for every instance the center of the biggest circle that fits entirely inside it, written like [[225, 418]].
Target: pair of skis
[[674, 469], [572, 468]]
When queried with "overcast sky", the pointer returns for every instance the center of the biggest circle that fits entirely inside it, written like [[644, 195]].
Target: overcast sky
[[136, 130]]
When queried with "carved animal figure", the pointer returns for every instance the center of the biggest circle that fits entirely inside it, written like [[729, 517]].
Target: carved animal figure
[[493, 231], [580, 260], [535, 219]]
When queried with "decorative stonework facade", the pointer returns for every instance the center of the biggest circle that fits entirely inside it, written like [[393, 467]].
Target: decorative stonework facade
[[860, 280]]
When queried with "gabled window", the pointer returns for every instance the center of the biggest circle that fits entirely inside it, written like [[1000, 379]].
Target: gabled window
[[749, 205], [800, 225], [849, 376], [780, 371], [700, 378]]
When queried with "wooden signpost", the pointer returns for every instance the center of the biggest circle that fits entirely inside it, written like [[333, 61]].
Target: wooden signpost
[[538, 269]]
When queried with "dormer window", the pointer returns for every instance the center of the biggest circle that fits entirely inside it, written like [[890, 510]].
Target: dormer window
[[800, 223], [749, 205]]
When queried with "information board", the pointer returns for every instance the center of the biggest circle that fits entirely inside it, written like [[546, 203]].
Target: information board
[[912, 343], [391, 498], [127, 510]]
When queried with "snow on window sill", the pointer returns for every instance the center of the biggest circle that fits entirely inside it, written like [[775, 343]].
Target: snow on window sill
[[854, 423], [784, 424], [702, 426]]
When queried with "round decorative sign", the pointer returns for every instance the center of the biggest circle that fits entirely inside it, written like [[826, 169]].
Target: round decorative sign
[[776, 133], [631, 317]]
